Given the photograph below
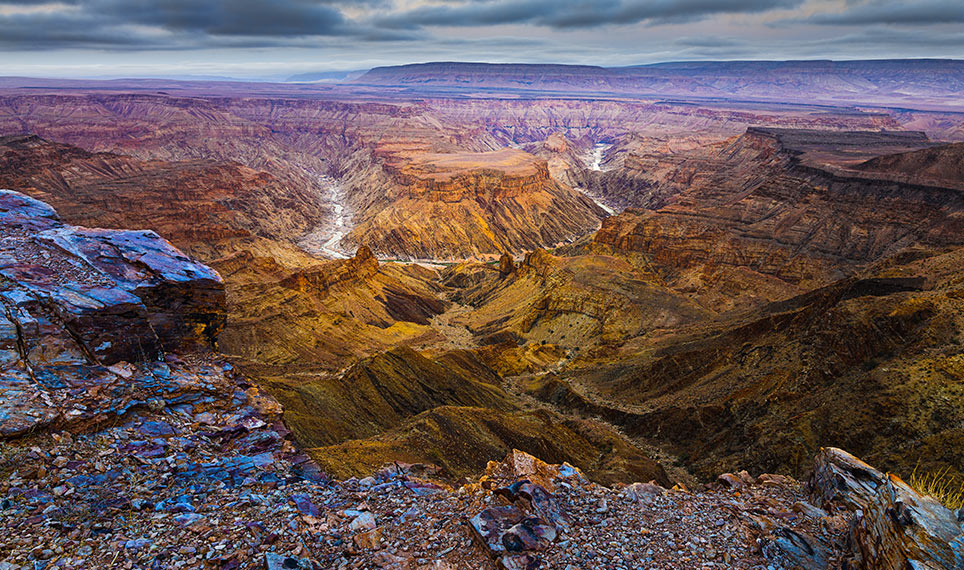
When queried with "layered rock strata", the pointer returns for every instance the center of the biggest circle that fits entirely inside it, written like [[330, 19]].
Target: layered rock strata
[[471, 205], [893, 527], [81, 305], [781, 214]]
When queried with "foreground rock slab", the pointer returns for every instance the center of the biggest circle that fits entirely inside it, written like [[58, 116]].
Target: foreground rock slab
[[893, 528], [89, 318]]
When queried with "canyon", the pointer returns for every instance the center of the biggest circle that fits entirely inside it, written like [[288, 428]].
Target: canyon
[[433, 285]]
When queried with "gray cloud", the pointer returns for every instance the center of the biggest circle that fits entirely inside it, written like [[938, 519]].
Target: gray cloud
[[893, 12], [57, 30], [356, 33], [563, 14], [227, 17], [173, 24], [709, 42], [875, 37], [194, 24]]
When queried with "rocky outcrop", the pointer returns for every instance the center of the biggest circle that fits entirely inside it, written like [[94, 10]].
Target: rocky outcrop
[[331, 275], [514, 534], [506, 264], [780, 214], [940, 166], [80, 305], [121, 295], [470, 205], [155, 488], [893, 527], [202, 206]]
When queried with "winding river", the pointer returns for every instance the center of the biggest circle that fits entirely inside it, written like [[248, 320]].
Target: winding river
[[324, 240]]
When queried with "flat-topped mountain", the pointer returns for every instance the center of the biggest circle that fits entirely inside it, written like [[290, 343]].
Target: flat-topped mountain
[[935, 81], [458, 205], [487, 74]]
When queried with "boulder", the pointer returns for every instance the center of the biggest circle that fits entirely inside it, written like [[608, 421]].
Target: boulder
[[894, 527], [735, 481], [489, 525], [531, 534], [533, 518], [506, 264], [643, 492], [87, 317], [274, 561], [101, 296], [519, 465]]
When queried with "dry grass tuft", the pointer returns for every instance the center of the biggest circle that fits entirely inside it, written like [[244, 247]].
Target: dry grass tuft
[[943, 487]]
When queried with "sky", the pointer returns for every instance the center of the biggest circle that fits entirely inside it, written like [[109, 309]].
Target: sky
[[273, 39]]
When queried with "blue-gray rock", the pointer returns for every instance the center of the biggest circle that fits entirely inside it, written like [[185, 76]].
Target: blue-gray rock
[[274, 561], [85, 313]]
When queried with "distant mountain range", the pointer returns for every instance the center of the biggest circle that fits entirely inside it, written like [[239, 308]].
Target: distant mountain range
[[890, 82], [919, 84], [326, 76]]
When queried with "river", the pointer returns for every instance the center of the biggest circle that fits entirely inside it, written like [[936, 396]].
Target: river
[[324, 240], [594, 159]]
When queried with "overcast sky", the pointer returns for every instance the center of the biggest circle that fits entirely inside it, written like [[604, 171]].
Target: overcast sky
[[272, 39]]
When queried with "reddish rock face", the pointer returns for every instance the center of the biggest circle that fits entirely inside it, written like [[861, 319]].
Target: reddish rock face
[[199, 205], [780, 213]]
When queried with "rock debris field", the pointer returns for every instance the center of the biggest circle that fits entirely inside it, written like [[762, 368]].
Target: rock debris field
[[179, 487]]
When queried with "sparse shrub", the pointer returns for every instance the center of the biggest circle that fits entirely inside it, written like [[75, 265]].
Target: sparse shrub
[[436, 456], [940, 485]]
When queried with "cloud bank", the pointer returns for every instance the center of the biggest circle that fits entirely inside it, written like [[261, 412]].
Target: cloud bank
[[341, 34]]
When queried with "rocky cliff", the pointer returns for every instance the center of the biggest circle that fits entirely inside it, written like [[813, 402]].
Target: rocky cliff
[[939, 166], [93, 313], [893, 526], [472, 205], [206, 207], [770, 216]]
